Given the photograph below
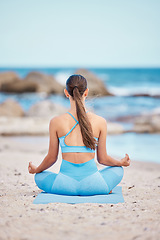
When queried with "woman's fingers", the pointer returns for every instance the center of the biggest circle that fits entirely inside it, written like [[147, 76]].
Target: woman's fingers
[[30, 167], [127, 156], [126, 160]]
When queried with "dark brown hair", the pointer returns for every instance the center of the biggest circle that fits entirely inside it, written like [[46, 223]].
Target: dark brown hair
[[76, 86]]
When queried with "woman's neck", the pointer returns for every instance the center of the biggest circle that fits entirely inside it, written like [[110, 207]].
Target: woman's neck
[[73, 106]]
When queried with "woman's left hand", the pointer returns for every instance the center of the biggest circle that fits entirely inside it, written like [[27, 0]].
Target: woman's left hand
[[125, 162], [32, 168]]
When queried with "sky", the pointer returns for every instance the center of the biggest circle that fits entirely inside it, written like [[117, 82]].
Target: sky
[[86, 33]]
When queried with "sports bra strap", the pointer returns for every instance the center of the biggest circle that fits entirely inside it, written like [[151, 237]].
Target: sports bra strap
[[72, 116], [71, 129]]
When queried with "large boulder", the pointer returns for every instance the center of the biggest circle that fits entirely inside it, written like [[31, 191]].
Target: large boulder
[[19, 86], [11, 108], [33, 82], [148, 123], [24, 126], [45, 108], [8, 77], [45, 83], [95, 84]]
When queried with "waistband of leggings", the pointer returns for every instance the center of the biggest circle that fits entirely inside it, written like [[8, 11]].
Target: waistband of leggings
[[70, 168]]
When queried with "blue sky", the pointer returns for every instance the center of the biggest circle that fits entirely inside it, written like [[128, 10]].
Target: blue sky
[[86, 33]]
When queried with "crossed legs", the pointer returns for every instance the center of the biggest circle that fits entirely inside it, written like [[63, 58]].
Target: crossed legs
[[111, 175]]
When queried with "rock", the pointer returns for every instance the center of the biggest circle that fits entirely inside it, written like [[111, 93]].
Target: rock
[[95, 85], [15, 126], [33, 82], [19, 86], [127, 118], [8, 77], [11, 108], [45, 108], [114, 128], [131, 187], [149, 123], [141, 95], [37, 126], [145, 95], [143, 129], [45, 83]]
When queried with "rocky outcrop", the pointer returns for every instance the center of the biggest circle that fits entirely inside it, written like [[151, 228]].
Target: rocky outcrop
[[7, 77], [37, 126], [45, 83], [24, 126], [148, 123], [145, 95], [39, 82], [45, 108], [19, 86], [11, 108], [33, 82], [13, 120], [95, 85], [114, 128]]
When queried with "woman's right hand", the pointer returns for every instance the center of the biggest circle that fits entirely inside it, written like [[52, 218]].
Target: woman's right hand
[[32, 168], [125, 162]]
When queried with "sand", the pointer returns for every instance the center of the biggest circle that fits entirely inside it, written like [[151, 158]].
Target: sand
[[137, 218]]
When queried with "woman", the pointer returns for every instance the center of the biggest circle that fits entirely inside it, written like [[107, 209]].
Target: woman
[[79, 133]]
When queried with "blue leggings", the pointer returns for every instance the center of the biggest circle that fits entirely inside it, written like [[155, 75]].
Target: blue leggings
[[81, 179]]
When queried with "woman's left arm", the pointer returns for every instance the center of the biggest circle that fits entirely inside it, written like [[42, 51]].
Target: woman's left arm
[[52, 155]]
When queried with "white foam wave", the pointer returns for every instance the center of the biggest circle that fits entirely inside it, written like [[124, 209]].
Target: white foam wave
[[61, 77], [119, 91]]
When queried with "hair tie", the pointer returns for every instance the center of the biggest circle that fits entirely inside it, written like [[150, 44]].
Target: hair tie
[[75, 87]]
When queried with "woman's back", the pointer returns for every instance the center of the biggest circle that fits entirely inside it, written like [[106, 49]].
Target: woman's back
[[69, 133]]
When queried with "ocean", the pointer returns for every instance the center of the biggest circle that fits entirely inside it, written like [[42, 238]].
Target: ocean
[[121, 82]]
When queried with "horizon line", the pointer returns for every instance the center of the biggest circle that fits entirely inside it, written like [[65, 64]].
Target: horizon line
[[80, 67]]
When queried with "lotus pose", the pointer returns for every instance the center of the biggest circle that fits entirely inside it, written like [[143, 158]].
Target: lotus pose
[[79, 133]]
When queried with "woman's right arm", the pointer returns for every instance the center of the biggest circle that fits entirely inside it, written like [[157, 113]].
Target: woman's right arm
[[52, 155], [102, 156]]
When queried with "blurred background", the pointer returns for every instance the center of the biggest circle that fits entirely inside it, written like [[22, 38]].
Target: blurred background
[[114, 44]]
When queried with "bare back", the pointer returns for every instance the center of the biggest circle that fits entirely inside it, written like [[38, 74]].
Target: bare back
[[64, 124]]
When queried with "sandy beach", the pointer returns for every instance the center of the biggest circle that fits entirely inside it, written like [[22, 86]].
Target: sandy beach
[[81, 57], [137, 218]]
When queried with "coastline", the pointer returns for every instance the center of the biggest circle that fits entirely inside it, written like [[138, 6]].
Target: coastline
[[136, 218]]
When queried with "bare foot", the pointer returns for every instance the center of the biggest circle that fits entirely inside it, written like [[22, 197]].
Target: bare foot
[[110, 192]]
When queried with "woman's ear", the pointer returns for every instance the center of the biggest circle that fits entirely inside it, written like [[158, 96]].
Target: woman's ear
[[66, 93], [86, 92]]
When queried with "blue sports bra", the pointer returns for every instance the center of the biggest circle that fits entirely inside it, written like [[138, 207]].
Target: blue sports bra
[[66, 148]]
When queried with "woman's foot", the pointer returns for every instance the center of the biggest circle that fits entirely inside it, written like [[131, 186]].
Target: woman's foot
[[110, 192]]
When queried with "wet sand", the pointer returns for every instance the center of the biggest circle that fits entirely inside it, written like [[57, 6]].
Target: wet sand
[[137, 218]]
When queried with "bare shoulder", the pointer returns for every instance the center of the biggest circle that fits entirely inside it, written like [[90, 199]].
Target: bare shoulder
[[98, 123], [97, 119], [58, 120]]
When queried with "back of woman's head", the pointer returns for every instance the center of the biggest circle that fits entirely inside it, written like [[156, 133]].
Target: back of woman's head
[[76, 86]]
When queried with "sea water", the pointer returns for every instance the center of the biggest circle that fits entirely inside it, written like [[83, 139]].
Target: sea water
[[121, 82], [140, 147]]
